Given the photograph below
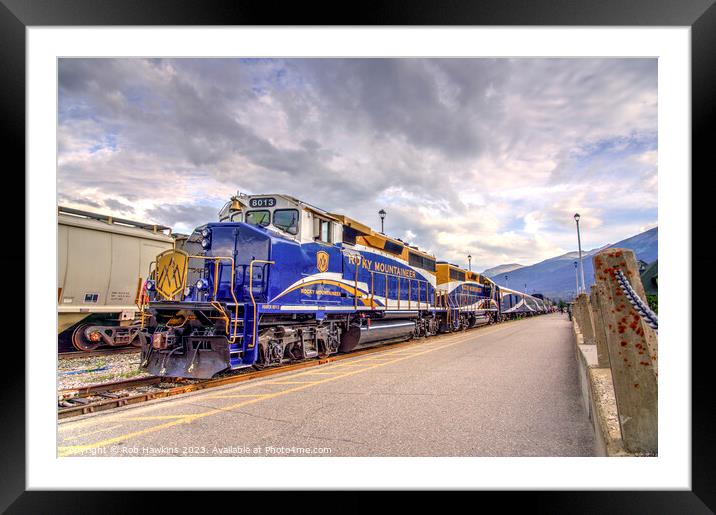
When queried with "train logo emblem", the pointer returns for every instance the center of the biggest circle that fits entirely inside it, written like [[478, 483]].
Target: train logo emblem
[[322, 261], [171, 272]]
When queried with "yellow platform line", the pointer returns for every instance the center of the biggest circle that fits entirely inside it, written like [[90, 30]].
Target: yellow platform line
[[232, 395], [156, 417], [321, 373], [290, 382], [402, 351], [75, 437], [70, 450]]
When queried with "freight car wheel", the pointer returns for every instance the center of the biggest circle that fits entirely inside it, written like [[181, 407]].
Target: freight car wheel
[[139, 340], [80, 342]]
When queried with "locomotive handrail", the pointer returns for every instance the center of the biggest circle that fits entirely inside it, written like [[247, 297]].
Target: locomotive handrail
[[355, 287], [254, 330], [386, 275], [214, 303], [144, 299], [217, 259]]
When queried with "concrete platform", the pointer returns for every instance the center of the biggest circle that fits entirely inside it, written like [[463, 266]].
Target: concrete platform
[[505, 390]]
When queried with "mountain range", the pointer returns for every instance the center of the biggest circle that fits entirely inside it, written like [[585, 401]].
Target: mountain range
[[555, 277], [501, 269]]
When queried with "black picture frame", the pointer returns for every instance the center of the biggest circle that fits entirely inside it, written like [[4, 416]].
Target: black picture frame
[[700, 15]]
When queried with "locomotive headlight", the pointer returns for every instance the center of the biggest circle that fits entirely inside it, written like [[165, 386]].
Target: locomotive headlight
[[150, 285], [205, 243], [205, 233], [202, 284]]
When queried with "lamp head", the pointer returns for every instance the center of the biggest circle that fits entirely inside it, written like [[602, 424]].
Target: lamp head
[[576, 217], [382, 213]]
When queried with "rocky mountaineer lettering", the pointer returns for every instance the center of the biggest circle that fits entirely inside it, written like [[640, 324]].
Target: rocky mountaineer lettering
[[381, 267], [395, 270]]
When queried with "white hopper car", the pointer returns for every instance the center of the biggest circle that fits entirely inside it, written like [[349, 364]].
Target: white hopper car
[[103, 263]]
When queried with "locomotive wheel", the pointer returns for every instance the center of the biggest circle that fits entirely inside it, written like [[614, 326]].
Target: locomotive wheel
[[139, 340], [80, 342]]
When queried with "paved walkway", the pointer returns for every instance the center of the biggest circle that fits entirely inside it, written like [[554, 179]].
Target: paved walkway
[[504, 390]]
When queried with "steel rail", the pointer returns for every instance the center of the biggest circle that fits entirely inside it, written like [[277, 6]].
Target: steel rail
[[99, 388]]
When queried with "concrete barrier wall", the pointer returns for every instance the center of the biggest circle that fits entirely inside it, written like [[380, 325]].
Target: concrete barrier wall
[[617, 354], [598, 396]]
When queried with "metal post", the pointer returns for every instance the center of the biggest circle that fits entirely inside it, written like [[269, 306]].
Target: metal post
[[576, 280], [579, 243], [382, 214], [469, 262]]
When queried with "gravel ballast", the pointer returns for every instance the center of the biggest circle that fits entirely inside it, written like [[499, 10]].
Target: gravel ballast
[[79, 372]]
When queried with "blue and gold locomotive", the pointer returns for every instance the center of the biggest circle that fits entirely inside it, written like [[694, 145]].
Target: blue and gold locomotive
[[279, 280]]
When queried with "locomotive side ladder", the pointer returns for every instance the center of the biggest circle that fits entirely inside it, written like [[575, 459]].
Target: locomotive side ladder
[[245, 345]]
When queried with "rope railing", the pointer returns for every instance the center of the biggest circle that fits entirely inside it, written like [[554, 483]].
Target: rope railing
[[639, 305]]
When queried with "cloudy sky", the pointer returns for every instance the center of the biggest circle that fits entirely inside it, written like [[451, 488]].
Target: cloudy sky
[[487, 156]]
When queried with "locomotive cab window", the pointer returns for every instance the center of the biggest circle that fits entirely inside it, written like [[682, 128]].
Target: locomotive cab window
[[322, 230], [286, 220], [259, 217]]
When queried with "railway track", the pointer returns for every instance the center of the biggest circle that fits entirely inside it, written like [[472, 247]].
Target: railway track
[[105, 388], [96, 353], [101, 397]]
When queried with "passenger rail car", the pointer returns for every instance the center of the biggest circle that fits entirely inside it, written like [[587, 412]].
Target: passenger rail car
[[516, 304], [280, 280], [469, 298]]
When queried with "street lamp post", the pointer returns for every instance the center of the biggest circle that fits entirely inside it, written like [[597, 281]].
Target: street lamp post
[[576, 278], [469, 262], [579, 243], [382, 214]]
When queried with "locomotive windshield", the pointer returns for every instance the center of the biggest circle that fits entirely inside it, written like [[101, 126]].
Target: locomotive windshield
[[260, 217], [286, 220]]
